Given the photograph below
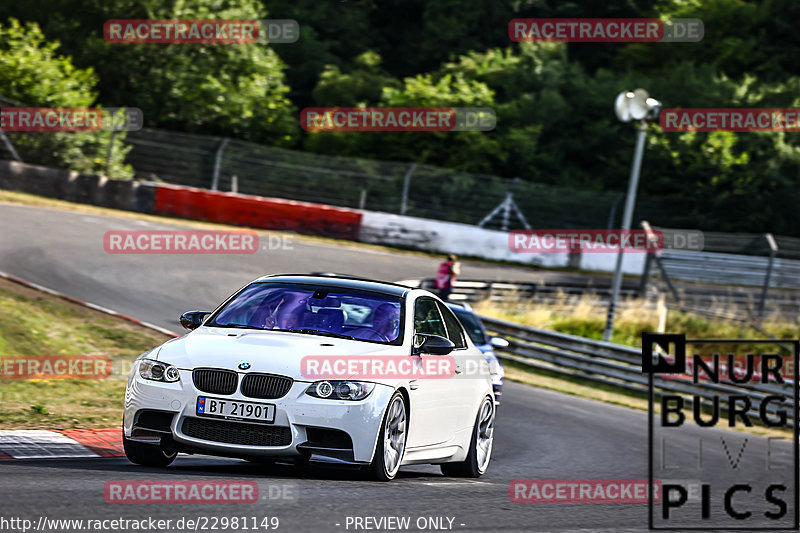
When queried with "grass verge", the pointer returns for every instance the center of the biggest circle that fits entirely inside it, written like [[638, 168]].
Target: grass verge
[[33, 323]]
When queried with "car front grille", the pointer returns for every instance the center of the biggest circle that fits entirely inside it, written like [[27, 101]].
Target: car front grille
[[215, 381], [236, 432], [266, 386]]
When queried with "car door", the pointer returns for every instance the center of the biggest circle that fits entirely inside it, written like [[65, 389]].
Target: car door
[[469, 381], [433, 405]]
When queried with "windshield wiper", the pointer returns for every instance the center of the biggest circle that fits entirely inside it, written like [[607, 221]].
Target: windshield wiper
[[309, 331]]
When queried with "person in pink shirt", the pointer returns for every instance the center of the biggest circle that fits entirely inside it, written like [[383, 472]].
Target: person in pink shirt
[[446, 276]]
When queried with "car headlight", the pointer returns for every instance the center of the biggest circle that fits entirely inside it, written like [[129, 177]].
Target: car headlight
[[158, 371], [340, 390]]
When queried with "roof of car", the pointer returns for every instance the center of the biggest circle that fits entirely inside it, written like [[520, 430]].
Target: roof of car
[[341, 281]]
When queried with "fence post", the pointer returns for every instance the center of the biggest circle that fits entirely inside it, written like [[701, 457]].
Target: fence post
[[648, 265], [110, 145], [773, 249], [666, 278], [612, 214], [9, 146], [217, 161], [406, 184]]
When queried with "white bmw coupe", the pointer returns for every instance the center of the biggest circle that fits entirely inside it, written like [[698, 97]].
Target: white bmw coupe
[[316, 369]]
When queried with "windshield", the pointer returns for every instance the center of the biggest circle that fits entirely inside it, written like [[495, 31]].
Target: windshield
[[314, 310], [471, 324]]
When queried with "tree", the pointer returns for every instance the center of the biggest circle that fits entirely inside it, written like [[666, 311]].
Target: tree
[[237, 90], [33, 75]]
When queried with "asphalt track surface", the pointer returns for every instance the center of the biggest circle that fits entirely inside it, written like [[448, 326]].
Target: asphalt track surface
[[63, 250], [539, 434]]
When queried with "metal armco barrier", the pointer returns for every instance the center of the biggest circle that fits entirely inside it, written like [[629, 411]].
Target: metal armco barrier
[[737, 303], [612, 364], [744, 259], [467, 290], [712, 267]]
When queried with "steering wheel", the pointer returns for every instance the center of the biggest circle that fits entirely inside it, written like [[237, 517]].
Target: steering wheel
[[374, 332]]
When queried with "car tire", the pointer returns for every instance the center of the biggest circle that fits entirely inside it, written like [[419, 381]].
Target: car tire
[[148, 454], [394, 432], [480, 448]]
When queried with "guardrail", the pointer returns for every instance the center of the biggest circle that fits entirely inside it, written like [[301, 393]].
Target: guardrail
[[741, 304], [473, 290], [731, 259], [613, 364]]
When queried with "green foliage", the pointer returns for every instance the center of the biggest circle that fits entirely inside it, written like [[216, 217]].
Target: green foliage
[[237, 90], [553, 101], [362, 86], [590, 328], [448, 90], [32, 72]]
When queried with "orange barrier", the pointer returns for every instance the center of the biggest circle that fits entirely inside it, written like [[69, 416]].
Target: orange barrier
[[257, 212]]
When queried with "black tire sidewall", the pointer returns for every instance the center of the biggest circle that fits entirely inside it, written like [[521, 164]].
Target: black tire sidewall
[[473, 449], [378, 466], [146, 454], [469, 466]]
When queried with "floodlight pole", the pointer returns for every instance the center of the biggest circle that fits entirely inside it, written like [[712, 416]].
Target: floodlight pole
[[627, 217]]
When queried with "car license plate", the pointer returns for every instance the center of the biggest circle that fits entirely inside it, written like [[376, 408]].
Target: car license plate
[[256, 412]]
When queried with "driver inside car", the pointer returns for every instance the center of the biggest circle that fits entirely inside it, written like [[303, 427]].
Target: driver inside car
[[386, 320]]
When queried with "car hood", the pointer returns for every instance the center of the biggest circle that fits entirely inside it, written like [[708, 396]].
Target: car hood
[[266, 351]]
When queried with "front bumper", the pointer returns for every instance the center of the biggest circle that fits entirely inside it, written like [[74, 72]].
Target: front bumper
[[303, 425]]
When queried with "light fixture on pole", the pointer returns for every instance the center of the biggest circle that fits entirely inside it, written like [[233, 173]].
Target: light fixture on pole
[[630, 105]]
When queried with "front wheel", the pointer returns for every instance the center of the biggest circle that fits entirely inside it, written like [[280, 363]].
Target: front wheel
[[480, 449], [148, 454], [391, 441]]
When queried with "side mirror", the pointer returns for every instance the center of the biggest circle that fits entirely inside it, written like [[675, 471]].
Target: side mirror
[[433, 344], [193, 319], [499, 342]]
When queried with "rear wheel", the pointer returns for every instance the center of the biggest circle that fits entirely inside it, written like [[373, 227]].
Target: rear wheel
[[480, 449], [391, 440], [148, 454]]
